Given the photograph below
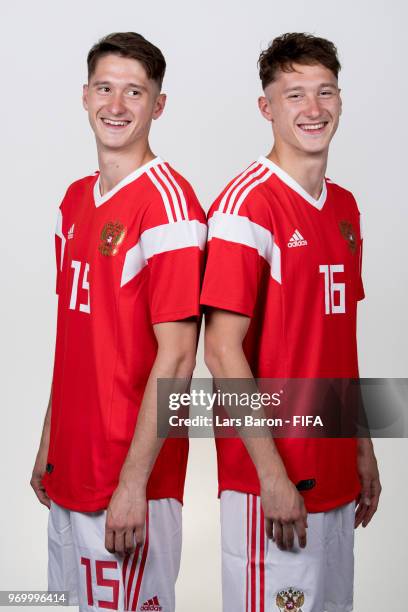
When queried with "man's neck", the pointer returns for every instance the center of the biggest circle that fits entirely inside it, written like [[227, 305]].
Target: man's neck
[[307, 170], [116, 165]]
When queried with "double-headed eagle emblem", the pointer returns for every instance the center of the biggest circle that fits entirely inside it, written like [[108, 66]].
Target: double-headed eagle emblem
[[290, 600], [112, 235]]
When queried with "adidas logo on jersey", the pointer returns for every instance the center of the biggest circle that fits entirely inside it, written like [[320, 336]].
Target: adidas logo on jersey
[[297, 240], [152, 605], [71, 232]]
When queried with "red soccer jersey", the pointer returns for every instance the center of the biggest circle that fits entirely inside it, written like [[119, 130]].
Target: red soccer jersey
[[126, 260], [292, 264]]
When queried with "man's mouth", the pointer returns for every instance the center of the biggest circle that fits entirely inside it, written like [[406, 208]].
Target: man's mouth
[[115, 123], [313, 128]]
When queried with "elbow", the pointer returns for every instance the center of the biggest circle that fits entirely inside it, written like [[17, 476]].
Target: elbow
[[216, 352], [183, 362]]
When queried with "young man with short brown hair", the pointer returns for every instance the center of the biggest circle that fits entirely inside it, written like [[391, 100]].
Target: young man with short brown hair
[[129, 246], [282, 282]]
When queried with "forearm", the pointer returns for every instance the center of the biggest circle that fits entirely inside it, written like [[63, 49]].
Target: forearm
[[232, 363], [145, 445]]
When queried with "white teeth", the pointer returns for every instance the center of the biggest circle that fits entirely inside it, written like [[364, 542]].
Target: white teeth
[[111, 122], [310, 127]]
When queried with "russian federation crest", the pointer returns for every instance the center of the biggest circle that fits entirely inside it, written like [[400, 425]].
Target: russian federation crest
[[290, 600], [112, 236], [348, 233]]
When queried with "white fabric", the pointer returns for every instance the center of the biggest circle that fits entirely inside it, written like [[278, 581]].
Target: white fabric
[[162, 239], [286, 178], [323, 571], [242, 230], [76, 541], [101, 199]]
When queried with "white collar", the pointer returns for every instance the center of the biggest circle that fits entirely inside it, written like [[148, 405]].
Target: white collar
[[286, 178], [101, 199]]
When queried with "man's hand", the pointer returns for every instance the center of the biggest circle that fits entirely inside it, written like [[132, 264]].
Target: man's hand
[[285, 512], [37, 476], [367, 502], [125, 519]]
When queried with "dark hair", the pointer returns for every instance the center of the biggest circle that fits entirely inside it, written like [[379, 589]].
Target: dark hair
[[134, 46], [296, 48]]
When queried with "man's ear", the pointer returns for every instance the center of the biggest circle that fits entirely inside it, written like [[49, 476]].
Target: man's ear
[[85, 96], [159, 105], [264, 107]]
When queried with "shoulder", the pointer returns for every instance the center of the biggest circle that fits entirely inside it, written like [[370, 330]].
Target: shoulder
[[342, 195], [171, 197], [247, 195], [77, 188]]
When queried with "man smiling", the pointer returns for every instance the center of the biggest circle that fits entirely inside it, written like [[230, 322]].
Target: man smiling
[[129, 245], [282, 282]]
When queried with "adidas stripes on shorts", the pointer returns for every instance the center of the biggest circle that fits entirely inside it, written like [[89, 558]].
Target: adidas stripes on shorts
[[98, 580], [259, 577]]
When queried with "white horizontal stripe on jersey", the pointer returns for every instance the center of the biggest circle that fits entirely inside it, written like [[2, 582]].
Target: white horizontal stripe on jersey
[[250, 187], [58, 232], [240, 229], [234, 184], [161, 239]]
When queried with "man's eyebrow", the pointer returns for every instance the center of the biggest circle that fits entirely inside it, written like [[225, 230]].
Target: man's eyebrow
[[294, 88], [302, 88], [108, 83]]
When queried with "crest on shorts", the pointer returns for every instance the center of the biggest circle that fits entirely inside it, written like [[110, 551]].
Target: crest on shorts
[[112, 235], [290, 599], [348, 233]]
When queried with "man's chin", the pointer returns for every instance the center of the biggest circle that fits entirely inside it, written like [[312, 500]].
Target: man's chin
[[113, 144]]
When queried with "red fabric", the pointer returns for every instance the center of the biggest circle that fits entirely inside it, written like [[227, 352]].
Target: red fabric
[[103, 357], [290, 334]]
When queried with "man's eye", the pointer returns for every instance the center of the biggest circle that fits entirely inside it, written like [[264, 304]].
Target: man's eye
[[134, 93], [295, 96], [104, 89], [326, 92]]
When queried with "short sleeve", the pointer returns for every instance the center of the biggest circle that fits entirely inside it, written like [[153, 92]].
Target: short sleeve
[[237, 243], [174, 252], [59, 249]]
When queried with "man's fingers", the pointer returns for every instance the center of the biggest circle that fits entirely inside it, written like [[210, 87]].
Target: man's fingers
[[130, 544], [361, 511], [109, 540], [300, 528], [277, 534], [139, 535], [288, 536], [269, 528], [376, 492], [41, 493]]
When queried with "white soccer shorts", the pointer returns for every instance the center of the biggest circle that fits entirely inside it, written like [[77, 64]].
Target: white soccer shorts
[[98, 580], [259, 577]]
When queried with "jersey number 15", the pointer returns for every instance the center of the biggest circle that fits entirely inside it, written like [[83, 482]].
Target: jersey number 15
[[77, 265]]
